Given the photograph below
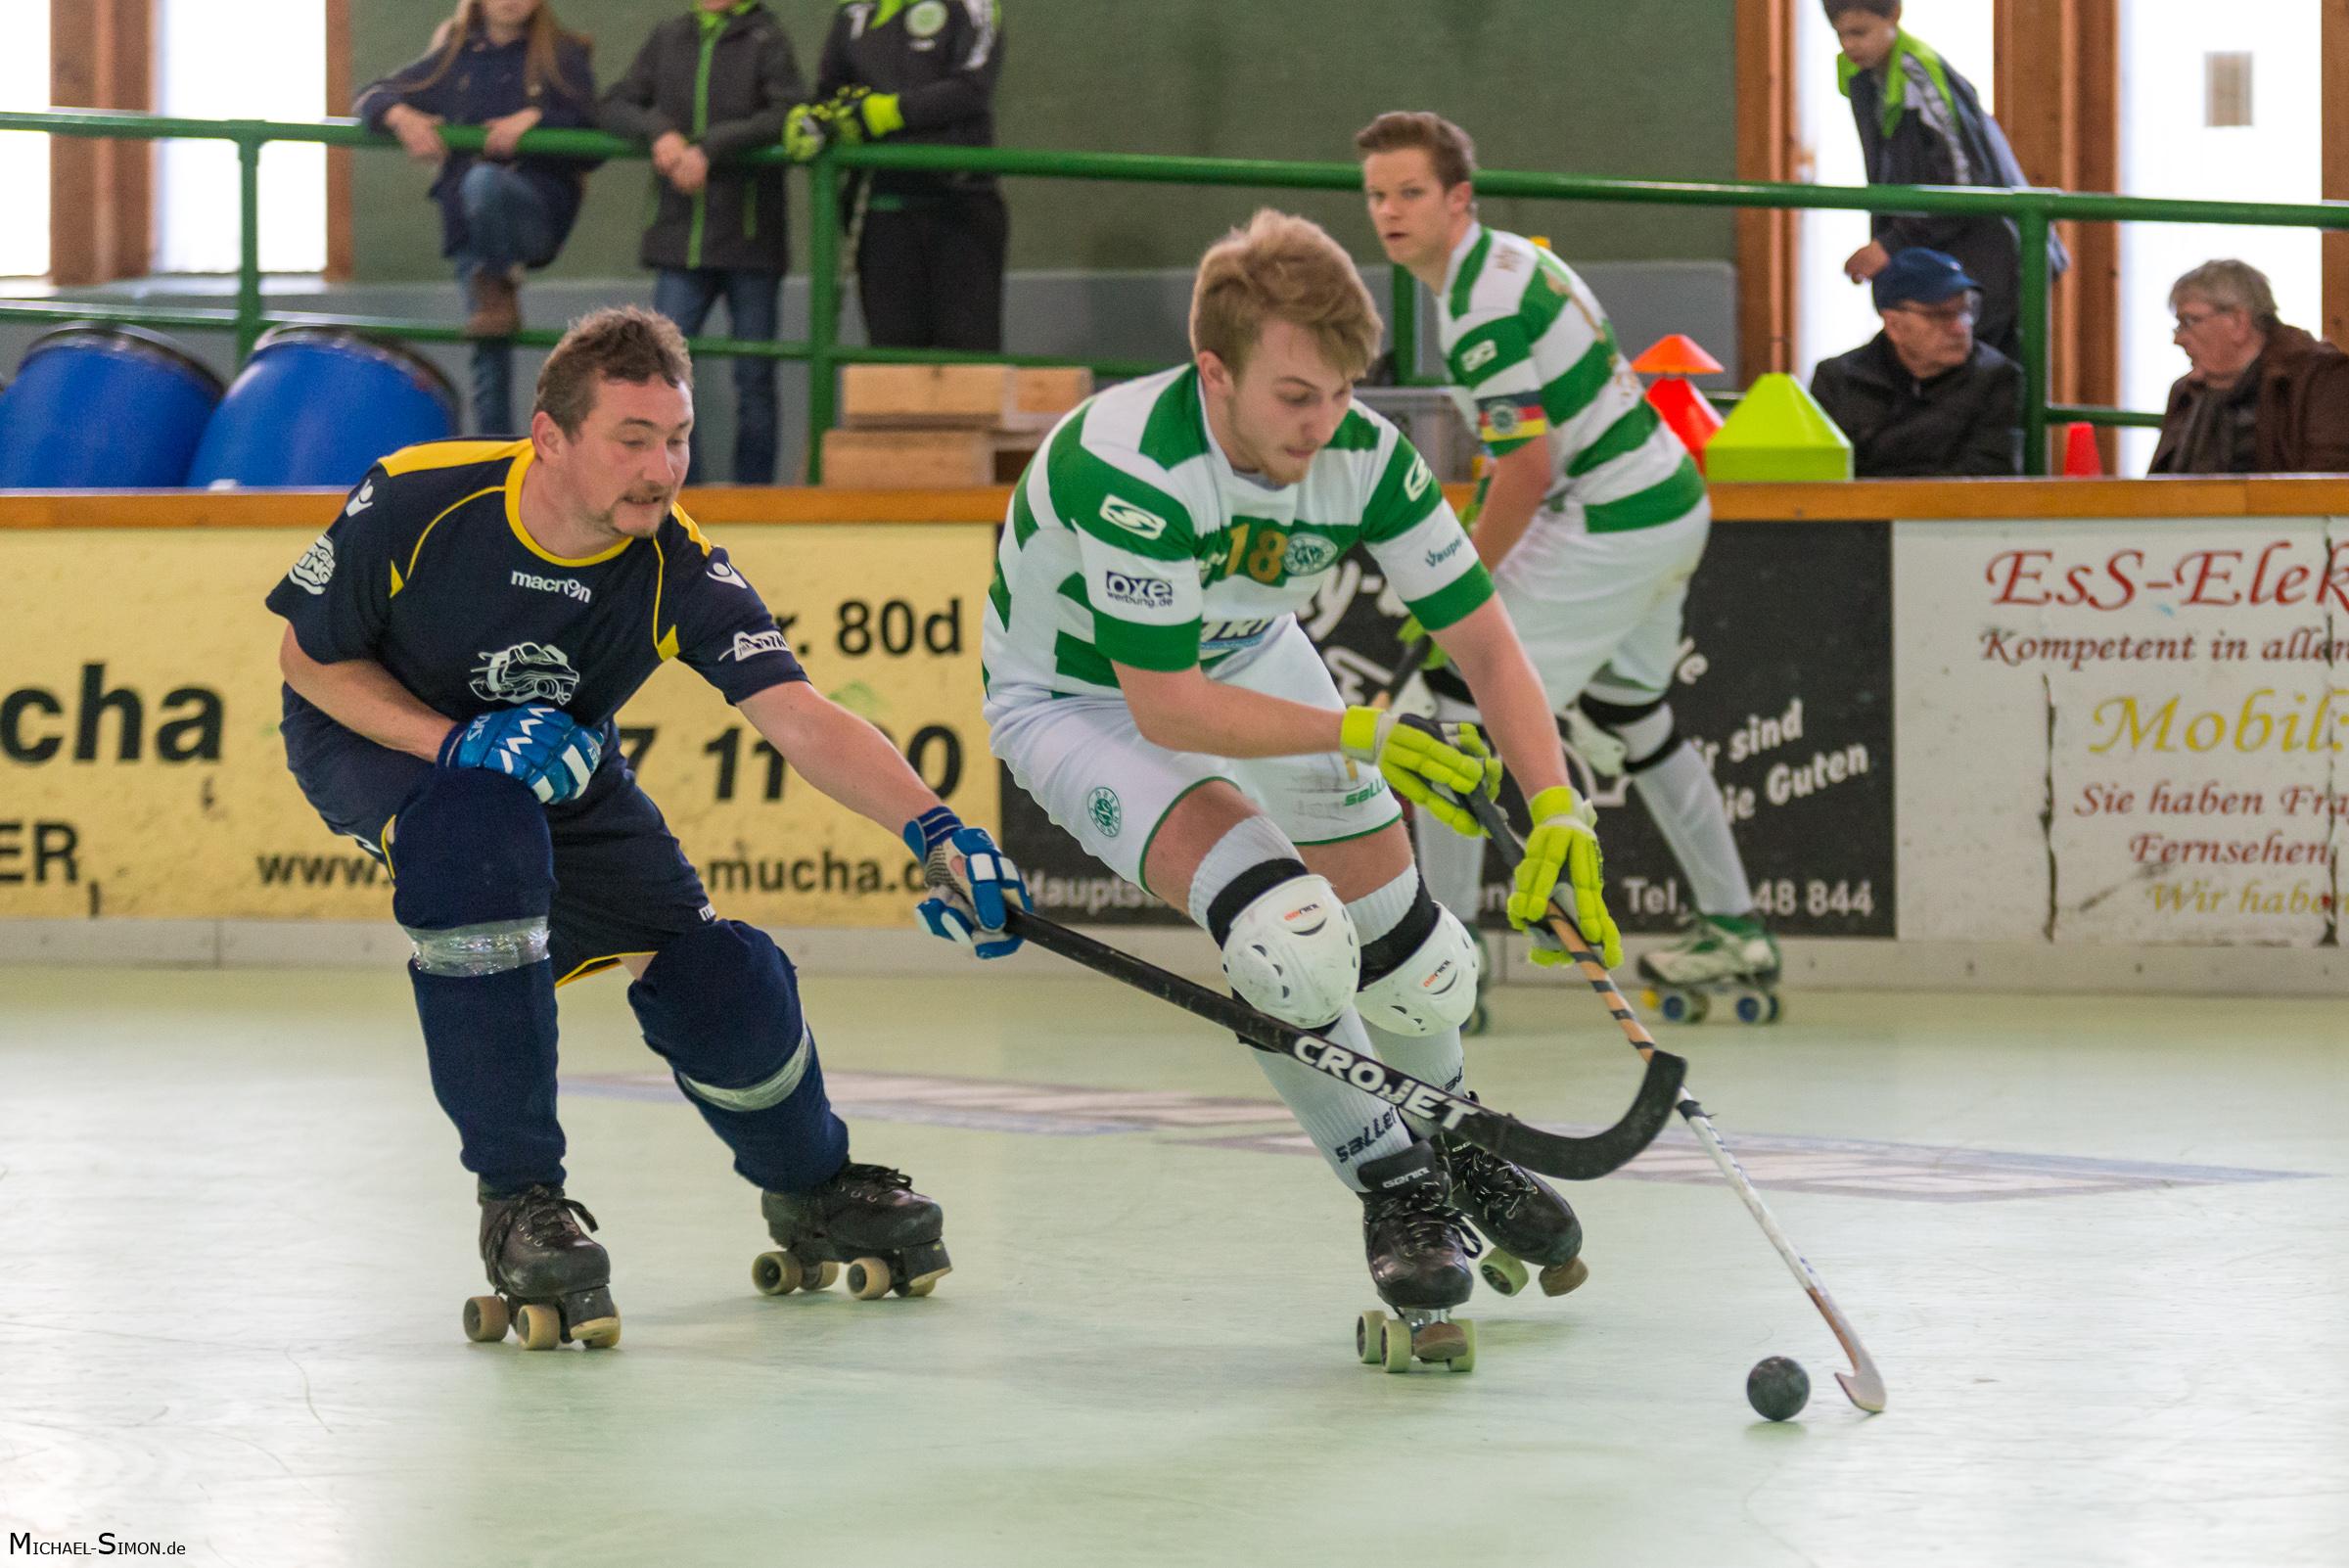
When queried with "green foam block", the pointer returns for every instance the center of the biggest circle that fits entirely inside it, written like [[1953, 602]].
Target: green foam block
[[1778, 433]]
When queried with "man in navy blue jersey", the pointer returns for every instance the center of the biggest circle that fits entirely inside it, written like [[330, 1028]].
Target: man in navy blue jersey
[[457, 644]]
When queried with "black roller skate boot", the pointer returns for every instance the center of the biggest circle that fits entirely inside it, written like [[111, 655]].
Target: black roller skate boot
[[553, 1284], [1521, 1215], [868, 1217], [1419, 1247]]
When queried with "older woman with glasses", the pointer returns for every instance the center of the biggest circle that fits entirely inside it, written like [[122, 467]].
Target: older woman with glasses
[[2258, 396], [1923, 398]]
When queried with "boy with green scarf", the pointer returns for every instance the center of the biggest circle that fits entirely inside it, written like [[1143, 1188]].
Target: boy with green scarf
[[1921, 123]]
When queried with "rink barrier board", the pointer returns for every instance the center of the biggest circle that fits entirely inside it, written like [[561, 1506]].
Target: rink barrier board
[[1841, 657]]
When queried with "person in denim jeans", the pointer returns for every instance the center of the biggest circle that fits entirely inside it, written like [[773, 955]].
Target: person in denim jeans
[[508, 66], [714, 82]]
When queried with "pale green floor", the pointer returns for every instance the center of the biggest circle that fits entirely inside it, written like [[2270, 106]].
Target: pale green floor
[[234, 1240]]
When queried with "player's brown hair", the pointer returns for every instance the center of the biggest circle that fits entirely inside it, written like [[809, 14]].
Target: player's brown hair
[[1889, 10], [1284, 267], [626, 343], [1447, 146]]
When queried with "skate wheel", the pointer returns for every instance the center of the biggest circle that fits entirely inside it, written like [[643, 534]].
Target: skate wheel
[[775, 1274], [1395, 1344], [539, 1328], [818, 1276], [1504, 1274], [1370, 1337], [1466, 1361], [485, 1319], [1683, 1007], [869, 1279], [1752, 1007], [601, 1334], [1560, 1278]]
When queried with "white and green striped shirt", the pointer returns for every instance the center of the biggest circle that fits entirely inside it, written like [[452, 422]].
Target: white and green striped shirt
[[1529, 342], [1131, 540]]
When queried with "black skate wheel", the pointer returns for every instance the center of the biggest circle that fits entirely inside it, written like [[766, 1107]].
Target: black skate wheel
[[485, 1319], [1504, 1273], [1370, 1337], [869, 1279], [539, 1328], [1466, 1361], [775, 1274], [1560, 1278], [1395, 1345]]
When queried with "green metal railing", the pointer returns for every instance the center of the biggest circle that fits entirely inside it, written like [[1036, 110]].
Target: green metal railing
[[2033, 211]]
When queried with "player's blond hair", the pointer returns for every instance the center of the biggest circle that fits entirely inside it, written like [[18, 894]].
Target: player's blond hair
[[1287, 268], [1448, 148], [623, 342]]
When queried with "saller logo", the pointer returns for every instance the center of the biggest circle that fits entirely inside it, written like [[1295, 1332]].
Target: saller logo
[[316, 568], [751, 644], [1132, 519], [1150, 592], [566, 585]]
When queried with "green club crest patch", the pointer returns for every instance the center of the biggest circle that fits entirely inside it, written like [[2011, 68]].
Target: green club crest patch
[[1109, 816], [1307, 554], [927, 20]]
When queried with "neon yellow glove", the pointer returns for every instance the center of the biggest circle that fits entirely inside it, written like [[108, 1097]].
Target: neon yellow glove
[[806, 132], [881, 115], [1411, 633], [1564, 842], [1421, 767]]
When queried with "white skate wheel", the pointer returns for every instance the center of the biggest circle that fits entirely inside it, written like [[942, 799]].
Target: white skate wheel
[[775, 1274], [1504, 1274], [869, 1279], [1466, 1361], [1370, 1337], [1395, 1345], [540, 1327]]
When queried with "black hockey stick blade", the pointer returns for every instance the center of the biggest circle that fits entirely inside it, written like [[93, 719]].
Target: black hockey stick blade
[[1550, 1154]]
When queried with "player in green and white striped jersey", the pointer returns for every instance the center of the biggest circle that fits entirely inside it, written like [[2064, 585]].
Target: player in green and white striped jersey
[[1593, 521], [1149, 686]]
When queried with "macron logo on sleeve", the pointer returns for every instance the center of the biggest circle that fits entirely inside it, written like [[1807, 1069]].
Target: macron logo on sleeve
[[1132, 519], [361, 501]]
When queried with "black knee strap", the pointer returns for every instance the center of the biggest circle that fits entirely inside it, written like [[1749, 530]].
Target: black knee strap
[[1673, 742], [1614, 718], [1244, 890], [1387, 954]]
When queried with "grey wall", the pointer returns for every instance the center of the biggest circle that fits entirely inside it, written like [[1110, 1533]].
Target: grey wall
[[1636, 87]]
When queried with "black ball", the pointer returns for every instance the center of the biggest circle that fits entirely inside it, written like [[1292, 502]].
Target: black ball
[[1777, 1387]]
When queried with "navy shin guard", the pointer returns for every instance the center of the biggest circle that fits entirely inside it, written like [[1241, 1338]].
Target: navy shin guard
[[721, 1005], [474, 880]]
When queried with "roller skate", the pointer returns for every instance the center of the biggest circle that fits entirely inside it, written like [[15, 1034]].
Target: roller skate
[[1716, 955], [553, 1286], [1523, 1218], [868, 1219], [1418, 1248]]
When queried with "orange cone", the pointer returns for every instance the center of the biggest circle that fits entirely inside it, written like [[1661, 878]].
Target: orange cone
[[2081, 459]]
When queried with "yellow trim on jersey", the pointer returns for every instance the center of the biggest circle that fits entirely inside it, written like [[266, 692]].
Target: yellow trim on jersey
[[692, 530], [596, 966], [665, 643], [522, 464], [397, 581], [428, 455]]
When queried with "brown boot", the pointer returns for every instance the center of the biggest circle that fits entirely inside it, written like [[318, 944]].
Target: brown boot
[[496, 305]]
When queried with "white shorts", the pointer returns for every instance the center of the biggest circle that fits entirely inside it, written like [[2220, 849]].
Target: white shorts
[[1084, 760], [1600, 612]]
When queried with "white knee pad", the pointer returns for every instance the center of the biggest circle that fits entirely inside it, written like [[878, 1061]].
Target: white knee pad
[[1292, 953], [1431, 990]]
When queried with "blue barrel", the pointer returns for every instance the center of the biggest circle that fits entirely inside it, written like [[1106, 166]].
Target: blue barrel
[[317, 406], [98, 407]]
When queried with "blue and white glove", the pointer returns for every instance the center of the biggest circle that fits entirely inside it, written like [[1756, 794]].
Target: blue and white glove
[[969, 908], [542, 747]]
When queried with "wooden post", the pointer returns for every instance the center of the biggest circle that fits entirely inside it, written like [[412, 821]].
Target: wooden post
[[101, 193], [1767, 239], [2335, 134], [340, 257]]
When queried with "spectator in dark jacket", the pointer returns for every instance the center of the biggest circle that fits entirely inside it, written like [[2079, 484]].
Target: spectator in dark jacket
[[1921, 123], [718, 81], [930, 253], [1922, 399], [2259, 397], [508, 66]]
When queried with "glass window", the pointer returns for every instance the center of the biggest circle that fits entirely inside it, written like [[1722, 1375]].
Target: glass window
[[25, 154], [269, 64]]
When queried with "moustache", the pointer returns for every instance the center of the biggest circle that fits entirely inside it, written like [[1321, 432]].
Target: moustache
[[656, 498]]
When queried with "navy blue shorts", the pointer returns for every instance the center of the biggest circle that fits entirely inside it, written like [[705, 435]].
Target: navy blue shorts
[[623, 885]]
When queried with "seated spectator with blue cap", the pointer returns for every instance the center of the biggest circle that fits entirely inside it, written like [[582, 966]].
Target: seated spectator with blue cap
[[1922, 397]]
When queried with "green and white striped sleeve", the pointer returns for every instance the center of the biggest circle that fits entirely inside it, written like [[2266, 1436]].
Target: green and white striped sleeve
[[1139, 551], [1419, 544]]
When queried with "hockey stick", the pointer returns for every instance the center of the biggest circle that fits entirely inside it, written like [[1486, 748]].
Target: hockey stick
[[1861, 1385], [1552, 1154]]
